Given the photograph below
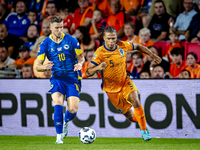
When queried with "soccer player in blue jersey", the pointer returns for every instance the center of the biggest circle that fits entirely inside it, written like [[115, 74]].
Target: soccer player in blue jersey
[[65, 60]]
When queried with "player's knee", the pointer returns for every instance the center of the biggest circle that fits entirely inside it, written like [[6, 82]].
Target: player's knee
[[73, 110]]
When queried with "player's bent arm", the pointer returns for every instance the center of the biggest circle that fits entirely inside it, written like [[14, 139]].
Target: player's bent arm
[[92, 68], [41, 68], [81, 61]]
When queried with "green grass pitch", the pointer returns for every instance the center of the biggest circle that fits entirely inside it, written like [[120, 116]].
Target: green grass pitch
[[73, 143]]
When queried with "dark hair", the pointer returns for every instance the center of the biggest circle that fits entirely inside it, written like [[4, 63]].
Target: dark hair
[[138, 54], [67, 28], [55, 19], [4, 45], [193, 54], [160, 1], [27, 65], [33, 10], [152, 47], [130, 23], [177, 51], [147, 71], [52, 2], [38, 28], [109, 29], [86, 36], [187, 71], [99, 11]]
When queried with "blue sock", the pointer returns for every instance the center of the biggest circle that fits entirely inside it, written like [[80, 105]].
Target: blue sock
[[58, 118], [69, 116]]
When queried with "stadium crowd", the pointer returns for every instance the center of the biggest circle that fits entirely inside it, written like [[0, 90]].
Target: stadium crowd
[[169, 28]]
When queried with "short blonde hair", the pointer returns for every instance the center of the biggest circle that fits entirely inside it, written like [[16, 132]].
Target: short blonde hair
[[144, 31]]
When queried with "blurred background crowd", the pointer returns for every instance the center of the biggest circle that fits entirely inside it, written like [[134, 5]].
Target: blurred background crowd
[[169, 28]]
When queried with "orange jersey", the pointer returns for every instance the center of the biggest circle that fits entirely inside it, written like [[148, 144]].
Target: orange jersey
[[171, 47], [176, 71], [194, 72], [114, 75], [128, 4], [104, 6], [28, 61]]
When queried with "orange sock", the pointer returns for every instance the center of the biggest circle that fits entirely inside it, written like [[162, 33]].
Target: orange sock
[[134, 119], [139, 114]]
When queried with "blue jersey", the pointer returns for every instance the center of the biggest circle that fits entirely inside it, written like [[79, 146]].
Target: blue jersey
[[17, 26], [30, 45], [63, 55]]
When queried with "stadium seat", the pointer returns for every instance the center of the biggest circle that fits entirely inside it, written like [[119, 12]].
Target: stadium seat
[[192, 47], [161, 46]]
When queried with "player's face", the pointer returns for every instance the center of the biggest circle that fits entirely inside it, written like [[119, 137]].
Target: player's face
[[128, 30], [3, 54], [191, 61], [184, 75], [158, 72], [144, 75], [145, 37], [27, 72], [45, 29], [110, 40], [57, 29], [3, 31], [159, 9], [32, 32], [137, 61]]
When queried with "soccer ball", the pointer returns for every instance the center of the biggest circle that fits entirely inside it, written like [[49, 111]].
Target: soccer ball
[[87, 135]]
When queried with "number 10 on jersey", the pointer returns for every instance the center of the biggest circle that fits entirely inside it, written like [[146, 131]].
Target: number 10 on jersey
[[61, 57]]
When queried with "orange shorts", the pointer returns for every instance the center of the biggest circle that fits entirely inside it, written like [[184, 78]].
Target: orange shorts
[[120, 99]]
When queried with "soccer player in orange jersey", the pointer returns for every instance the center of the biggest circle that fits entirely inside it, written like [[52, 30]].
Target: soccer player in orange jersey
[[122, 92]]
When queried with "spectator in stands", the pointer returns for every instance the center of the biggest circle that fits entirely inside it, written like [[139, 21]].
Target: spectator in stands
[[67, 18], [66, 30], [27, 71], [118, 18], [193, 32], [82, 15], [145, 74], [17, 23], [6, 38], [46, 31], [174, 38], [47, 73], [82, 35], [144, 15], [185, 74], [129, 28], [131, 7], [32, 15], [5, 60], [137, 65], [32, 35], [193, 67], [3, 12], [72, 5], [183, 20], [97, 24], [104, 6], [150, 64], [88, 58], [51, 9], [178, 63], [24, 58], [158, 72], [159, 24]]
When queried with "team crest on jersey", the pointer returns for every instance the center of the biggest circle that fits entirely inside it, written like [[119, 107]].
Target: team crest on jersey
[[24, 21], [66, 46], [14, 21], [121, 51], [78, 44], [59, 48], [94, 56]]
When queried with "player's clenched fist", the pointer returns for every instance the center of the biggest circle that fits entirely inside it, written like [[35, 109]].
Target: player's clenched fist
[[157, 59], [102, 66], [49, 65]]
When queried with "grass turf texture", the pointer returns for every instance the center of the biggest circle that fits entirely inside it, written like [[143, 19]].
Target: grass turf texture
[[73, 143]]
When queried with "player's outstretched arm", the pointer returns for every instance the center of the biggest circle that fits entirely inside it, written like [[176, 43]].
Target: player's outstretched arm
[[92, 69], [41, 68], [81, 61], [145, 50]]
